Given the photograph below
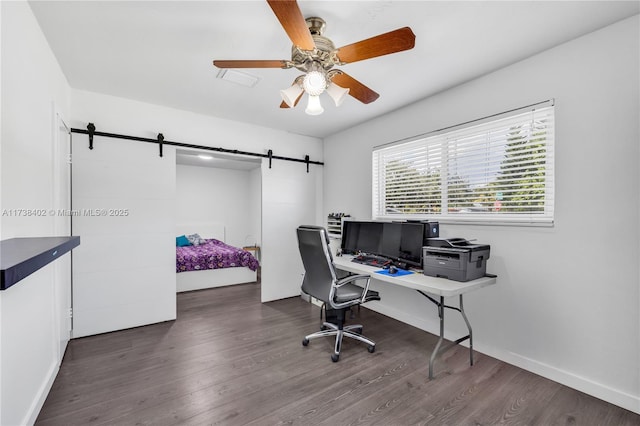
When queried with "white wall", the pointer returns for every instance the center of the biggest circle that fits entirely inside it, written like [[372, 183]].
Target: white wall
[[1, 203], [32, 83], [566, 304], [118, 115], [209, 194], [1, 117]]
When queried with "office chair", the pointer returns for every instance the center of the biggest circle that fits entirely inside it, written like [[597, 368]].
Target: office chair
[[320, 281]]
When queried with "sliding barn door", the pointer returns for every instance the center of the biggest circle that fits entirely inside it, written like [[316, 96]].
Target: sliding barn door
[[124, 269], [290, 197]]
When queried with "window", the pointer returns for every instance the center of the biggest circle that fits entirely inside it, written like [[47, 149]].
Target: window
[[497, 171]]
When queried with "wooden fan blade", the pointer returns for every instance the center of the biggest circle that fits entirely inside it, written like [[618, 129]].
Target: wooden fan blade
[[251, 64], [383, 44], [356, 89], [291, 19]]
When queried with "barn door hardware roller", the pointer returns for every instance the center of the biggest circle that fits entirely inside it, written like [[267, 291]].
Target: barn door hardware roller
[[160, 141], [91, 129]]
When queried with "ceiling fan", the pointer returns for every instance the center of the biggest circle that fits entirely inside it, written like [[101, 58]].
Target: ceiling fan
[[316, 56]]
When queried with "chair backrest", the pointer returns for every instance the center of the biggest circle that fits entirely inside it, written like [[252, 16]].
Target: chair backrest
[[319, 276]]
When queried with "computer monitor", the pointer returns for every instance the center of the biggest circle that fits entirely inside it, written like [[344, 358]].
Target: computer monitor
[[390, 240], [360, 236], [369, 237], [399, 241], [411, 242], [402, 242], [350, 231]]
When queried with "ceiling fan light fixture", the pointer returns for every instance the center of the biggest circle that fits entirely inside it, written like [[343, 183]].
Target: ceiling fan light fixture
[[290, 95], [314, 107], [314, 83], [337, 93], [315, 55]]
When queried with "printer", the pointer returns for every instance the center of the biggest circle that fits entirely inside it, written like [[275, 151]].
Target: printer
[[454, 258]]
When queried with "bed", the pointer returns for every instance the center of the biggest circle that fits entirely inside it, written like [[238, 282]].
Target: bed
[[193, 263]]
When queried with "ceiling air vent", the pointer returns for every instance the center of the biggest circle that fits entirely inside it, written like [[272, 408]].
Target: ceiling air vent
[[238, 77]]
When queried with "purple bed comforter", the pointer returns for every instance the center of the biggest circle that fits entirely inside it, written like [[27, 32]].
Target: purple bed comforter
[[213, 254]]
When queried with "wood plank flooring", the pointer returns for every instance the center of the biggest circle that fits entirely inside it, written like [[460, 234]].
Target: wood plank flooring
[[230, 360]]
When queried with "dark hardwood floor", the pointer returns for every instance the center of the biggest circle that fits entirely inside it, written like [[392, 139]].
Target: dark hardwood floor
[[230, 360]]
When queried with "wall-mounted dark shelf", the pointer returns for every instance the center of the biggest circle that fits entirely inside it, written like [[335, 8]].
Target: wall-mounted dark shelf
[[21, 257]]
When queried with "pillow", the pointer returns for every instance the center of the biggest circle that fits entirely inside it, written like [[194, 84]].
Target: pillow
[[182, 241], [195, 239]]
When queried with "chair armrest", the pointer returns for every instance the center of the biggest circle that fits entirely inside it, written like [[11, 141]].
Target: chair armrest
[[348, 280]]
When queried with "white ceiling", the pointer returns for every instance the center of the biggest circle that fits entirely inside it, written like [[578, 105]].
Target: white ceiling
[[200, 158], [161, 52]]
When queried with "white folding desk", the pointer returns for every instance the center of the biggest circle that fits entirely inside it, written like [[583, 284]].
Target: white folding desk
[[427, 286]]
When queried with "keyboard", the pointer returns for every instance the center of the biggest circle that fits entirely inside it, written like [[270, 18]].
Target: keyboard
[[371, 260]]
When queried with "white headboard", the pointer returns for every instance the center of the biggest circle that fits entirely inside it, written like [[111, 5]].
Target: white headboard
[[204, 229]]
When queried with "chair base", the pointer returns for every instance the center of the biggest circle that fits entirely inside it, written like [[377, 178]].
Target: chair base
[[330, 329]]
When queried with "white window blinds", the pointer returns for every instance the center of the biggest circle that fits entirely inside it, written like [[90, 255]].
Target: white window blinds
[[499, 171]]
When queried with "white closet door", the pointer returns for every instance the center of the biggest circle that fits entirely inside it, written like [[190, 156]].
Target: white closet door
[[62, 228], [124, 268], [290, 197]]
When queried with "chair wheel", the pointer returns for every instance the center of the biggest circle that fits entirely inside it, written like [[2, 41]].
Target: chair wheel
[[305, 342], [335, 358], [371, 348]]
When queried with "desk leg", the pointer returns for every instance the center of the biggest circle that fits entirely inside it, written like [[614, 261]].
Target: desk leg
[[432, 359], [440, 304], [464, 316]]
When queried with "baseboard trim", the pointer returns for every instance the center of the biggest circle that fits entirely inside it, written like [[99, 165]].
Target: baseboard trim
[[38, 401], [572, 380], [598, 390]]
